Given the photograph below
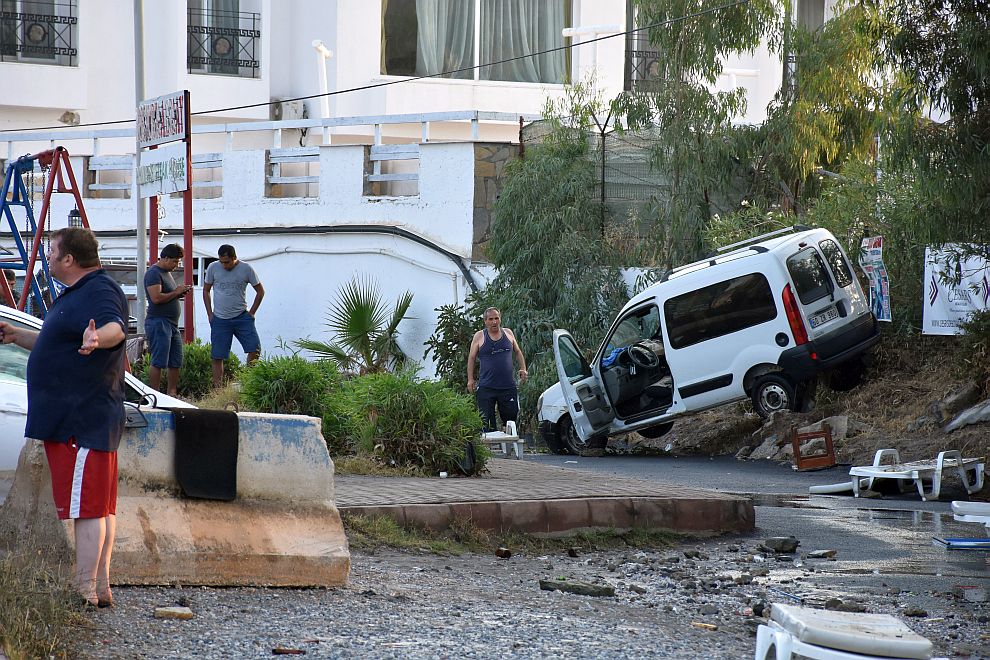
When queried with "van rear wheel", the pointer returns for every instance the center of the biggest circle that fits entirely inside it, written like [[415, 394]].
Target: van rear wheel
[[773, 393]]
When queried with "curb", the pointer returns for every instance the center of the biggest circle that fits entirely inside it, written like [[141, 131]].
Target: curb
[[563, 516]]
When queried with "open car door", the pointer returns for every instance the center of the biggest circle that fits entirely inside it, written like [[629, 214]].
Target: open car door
[[590, 412]]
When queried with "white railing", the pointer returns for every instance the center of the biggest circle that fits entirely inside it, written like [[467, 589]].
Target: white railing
[[117, 168], [53, 137]]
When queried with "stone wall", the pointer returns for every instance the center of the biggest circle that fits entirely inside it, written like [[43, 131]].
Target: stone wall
[[489, 161]]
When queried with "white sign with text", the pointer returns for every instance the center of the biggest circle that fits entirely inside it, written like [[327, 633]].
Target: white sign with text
[[163, 171], [955, 287], [162, 119]]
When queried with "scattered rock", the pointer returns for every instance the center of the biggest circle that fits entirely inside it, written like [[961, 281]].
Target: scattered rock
[[781, 544], [868, 494], [281, 650], [822, 554], [915, 612], [578, 587], [978, 413], [573, 551], [692, 554], [744, 453], [839, 605], [745, 578], [173, 613], [709, 609], [503, 553], [956, 402], [637, 588]]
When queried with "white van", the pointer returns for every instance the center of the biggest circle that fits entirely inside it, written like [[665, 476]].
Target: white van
[[759, 319]]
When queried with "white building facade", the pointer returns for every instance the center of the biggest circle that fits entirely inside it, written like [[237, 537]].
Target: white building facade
[[393, 176]]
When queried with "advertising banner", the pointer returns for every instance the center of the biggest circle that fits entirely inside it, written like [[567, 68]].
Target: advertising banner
[[955, 287], [871, 261], [163, 171]]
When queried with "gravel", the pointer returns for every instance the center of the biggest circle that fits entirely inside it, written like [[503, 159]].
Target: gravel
[[408, 605]]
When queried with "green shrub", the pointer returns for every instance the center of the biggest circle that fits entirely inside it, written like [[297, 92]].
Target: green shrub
[[196, 375], [288, 385], [406, 422], [340, 420]]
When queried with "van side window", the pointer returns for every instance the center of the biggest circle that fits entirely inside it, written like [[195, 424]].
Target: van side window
[[836, 262], [809, 275], [719, 309]]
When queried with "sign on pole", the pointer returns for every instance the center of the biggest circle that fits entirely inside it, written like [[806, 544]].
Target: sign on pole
[[162, 119], [163, 171], [871, 261], [159, 121], [167, 170], [955, 287]]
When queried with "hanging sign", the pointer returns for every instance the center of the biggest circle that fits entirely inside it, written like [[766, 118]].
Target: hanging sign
[[162, 119], [871, 261], [163, 171], [955, 287]]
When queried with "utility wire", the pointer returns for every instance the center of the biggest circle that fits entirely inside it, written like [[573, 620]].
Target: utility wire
[[404, 80]]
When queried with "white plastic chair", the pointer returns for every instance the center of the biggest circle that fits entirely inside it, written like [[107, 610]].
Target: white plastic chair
[[827, 635], [508, 441], [920, 471]]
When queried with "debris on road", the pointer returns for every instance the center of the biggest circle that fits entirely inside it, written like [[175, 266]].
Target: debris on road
[[173, 613], [578, 587]]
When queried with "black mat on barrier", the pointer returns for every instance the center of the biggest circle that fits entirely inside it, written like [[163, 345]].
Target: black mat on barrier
[[206, 453]]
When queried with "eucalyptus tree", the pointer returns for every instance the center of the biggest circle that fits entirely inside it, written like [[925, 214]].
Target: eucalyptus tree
[[556, 268], [942, 54], [697, 149]]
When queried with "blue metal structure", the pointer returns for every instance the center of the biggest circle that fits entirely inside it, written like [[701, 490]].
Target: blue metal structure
[[15, 193]]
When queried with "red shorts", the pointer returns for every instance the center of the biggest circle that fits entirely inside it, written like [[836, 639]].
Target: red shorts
[[84, 481]]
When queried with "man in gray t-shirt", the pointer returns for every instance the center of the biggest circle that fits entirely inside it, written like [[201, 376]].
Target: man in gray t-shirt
[[227, 311]]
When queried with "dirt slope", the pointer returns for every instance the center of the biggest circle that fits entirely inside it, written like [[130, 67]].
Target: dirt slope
[[896, 406]]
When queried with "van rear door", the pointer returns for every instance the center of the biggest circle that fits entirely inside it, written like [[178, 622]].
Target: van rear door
[[590, 411], [827, 292]]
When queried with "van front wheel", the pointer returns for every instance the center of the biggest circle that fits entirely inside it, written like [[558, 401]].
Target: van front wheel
[[772, 393]]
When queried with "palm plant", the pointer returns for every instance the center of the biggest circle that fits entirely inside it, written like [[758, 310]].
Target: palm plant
[[366, 330]]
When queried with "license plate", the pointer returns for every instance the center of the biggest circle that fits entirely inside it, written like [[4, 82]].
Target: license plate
[[824, 317]]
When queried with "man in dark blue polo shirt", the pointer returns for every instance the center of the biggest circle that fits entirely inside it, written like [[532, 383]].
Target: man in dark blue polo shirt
[[75, 385]]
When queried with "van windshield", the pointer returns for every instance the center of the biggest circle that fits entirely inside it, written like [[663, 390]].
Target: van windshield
[[809, 275]]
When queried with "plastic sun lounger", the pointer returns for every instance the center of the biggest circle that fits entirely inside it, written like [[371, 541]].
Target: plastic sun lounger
[[920, 471], [974, 512], [826, 635], [508, 441]]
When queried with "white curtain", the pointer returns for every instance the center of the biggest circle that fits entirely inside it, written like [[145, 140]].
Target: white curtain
[[445, 39], [510, 28]]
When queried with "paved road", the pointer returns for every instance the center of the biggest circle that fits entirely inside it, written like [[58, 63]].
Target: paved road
[[890, 538], [765, 481]]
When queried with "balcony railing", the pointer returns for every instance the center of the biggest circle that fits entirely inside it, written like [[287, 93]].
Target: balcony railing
[[39, 32], [642, 65], [224, 43]]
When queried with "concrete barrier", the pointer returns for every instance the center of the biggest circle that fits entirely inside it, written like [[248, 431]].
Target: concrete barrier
[[282, 530]]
